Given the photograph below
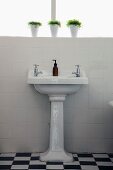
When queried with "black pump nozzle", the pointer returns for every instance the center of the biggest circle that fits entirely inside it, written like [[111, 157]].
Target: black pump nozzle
[[54, 61], [55, 64]]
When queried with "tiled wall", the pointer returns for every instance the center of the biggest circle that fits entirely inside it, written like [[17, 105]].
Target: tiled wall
[[25, 114]]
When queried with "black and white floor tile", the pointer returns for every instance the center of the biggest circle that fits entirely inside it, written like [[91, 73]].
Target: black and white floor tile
[[25, 161]]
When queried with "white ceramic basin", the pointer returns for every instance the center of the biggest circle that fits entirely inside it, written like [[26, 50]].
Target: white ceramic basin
[[63, 84], [57, 88]]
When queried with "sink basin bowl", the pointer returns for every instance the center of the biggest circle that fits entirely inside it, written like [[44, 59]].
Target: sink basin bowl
[[66, 83]]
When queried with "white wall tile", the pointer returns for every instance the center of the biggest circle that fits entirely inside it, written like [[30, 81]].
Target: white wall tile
[[96, 131], [79, 130], [5, 131], [96, 146], [96, 116], [68, 131], [108, 143], [96, 93], [108, 112], [80, 145], [68, 145]]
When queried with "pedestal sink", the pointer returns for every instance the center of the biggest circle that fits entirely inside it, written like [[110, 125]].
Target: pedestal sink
[[57, 88]]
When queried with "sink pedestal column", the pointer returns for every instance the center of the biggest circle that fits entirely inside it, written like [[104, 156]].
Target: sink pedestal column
[[56, 150]]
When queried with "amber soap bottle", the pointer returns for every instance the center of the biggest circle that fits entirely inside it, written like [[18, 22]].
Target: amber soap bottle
[[55, 69]]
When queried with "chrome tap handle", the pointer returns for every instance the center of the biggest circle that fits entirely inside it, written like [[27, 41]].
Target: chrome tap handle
[[35, 69], [77, 66], [35, 65], [77, 70]]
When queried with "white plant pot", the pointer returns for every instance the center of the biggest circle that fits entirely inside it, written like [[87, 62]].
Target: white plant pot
[[34, 30], [73, 30], [54, 30]]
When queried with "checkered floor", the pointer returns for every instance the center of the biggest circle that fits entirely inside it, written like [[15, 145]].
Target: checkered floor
[[31, 161]]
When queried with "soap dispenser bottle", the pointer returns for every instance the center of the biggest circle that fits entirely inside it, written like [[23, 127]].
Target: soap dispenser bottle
[[55, 69]]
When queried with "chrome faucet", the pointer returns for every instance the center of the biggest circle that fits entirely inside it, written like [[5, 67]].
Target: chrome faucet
[[77, 72], [36, 70]]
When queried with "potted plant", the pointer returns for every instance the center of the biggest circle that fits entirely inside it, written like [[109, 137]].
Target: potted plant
[[74, 25], [34, 27], [54, 25]]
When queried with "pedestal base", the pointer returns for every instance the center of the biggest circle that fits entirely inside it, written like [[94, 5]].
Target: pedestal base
[[56, 156], [56, 151]]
